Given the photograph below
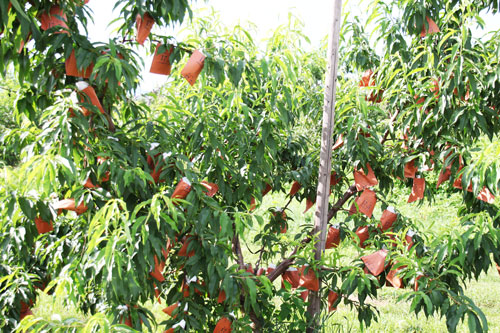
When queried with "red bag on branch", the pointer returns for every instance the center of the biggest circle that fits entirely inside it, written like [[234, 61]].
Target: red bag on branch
[[161, 61], [261, 271], [72, 68], [365, 203], [222, 297], [270, 269], [295, 188], [157, 273], [486, 196], [332, 298], [394, 279], [170, 309], [183, 250], [309, 204], [415, 287], [417, 192], [366, 79], [458, 182], [23, 42], [185, 286], [334, 180], [339, 143], [443, 176], [42, 226], [143, 25], [69, 204], [182, 189], [308, 279], [25, 310], [410, 169], [283, 226], [211, 188], [363, 234], [375, 262], [435, 87], [193, 67], [126, 320], [157, 293], [433, 28], [55, 17], [252, 204], [364, 181], [333, 238], [86, 89], [291, 275], [223, 326], [88, 184], [266, 189], [24, 314], [389, 216]]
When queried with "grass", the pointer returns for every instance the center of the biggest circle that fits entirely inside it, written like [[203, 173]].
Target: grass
[[432, 218]]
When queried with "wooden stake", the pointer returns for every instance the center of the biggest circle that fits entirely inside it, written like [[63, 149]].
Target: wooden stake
[[325, 166]]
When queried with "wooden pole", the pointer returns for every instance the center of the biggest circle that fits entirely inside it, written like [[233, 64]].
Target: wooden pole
[[325, 166]]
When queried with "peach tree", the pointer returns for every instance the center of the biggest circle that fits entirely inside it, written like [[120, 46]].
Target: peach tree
[[119, 201]]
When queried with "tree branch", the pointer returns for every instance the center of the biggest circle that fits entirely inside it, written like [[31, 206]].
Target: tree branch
[[238, 252], [352, 190], [386, 135]]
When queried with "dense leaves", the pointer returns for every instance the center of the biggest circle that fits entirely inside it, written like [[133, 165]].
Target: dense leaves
[[123, 181]]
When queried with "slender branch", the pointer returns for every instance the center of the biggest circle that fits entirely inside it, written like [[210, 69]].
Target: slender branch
[[238, 252], [338, 205], [288, 203], [282, 267], [257, 264], [386, 135], [257, 323]]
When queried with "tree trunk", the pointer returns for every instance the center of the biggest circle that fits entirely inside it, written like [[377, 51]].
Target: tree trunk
[[325, 167]]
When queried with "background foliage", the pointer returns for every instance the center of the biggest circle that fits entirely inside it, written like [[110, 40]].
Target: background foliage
[[250, 123]]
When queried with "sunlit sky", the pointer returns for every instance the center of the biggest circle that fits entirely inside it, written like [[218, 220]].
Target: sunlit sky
[[265, 14]]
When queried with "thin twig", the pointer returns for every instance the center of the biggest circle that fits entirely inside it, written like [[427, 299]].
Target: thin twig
[[288, 203], [238, 252], [338, 205], [386, 135]]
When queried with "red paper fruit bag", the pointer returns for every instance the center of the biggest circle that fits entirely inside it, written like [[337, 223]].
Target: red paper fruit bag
[[161, 61], [182, 189], [363, 180], [417, 192], [72, 68], [308, 279], [55, 17], [42, 226], [87, 89], [433, 28], [389, 216], [375, 262], [193, 67], [363, 235], [365, 203], [333, 237], [144, 25]]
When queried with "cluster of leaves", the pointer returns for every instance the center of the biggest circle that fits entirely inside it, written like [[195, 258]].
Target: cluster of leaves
[[249, 123]]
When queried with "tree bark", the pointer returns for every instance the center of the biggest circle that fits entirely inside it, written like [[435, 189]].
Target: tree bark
[[325, 167]]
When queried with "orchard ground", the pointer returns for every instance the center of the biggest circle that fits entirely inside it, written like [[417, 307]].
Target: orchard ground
[[435, 218]]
